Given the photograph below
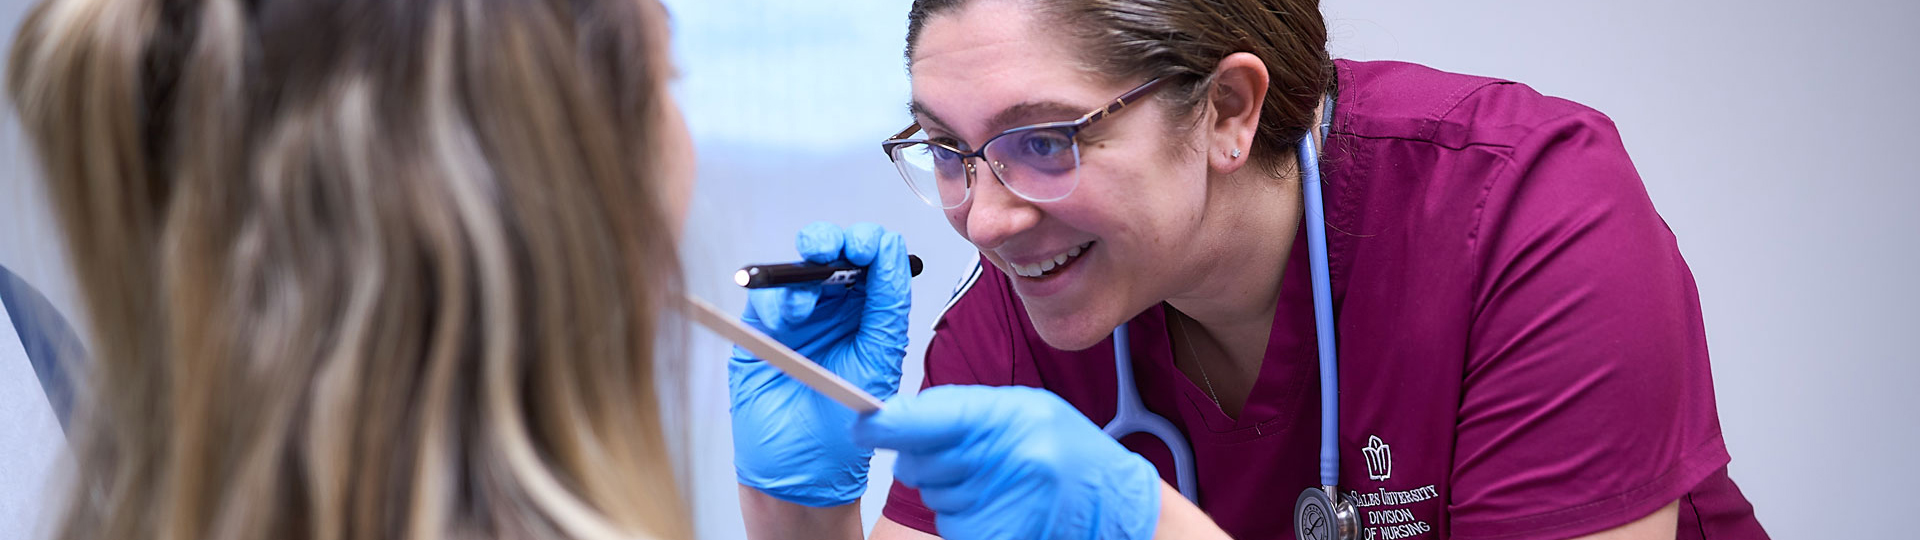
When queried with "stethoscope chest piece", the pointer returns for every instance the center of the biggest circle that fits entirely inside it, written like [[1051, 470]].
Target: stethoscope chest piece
[[1320, 515]]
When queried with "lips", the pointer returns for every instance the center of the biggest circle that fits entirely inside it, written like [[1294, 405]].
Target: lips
[[1050, 265]]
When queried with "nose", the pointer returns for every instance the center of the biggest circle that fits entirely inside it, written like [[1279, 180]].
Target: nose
[[995, 214]]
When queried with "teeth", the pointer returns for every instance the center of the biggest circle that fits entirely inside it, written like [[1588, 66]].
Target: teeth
[[1037, 270]]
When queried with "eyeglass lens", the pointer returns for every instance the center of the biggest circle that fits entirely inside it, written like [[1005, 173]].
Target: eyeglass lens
[[1038, 164]]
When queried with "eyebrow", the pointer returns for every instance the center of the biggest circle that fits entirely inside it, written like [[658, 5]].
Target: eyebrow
[[1024, 113], [918, 109], [1010, 117]]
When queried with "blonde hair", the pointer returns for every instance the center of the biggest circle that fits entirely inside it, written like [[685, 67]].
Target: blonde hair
[[362, 268]]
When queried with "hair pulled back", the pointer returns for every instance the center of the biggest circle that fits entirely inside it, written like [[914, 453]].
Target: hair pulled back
[[1183, 40]]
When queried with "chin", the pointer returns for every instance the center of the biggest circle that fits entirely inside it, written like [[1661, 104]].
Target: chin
[[1069, 333]]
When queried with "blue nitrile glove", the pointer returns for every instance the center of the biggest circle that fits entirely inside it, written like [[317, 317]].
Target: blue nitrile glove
[[788, 440], [1014, 462]]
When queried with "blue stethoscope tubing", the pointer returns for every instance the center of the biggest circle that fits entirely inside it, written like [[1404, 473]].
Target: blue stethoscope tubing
[[1322, 311], [1130, 416]]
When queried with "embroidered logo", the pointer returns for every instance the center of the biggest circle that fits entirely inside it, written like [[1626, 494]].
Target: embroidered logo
[[1379, 458]]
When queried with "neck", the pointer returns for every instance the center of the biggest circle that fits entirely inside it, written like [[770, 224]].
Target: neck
[[1247, 233], [1225, 319], [1250, 228]]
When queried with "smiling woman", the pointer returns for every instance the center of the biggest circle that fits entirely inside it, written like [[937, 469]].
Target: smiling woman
[[1144, 228], [1516, 330]]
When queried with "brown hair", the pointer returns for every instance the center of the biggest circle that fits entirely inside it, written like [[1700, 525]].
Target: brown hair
[[1183, 40], [362, 268]]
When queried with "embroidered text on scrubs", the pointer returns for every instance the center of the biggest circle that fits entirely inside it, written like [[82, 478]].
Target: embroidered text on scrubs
[[1393, 498], [1393, 523]]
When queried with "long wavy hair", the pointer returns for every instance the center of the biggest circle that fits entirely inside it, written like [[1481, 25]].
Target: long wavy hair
[[363, 268]]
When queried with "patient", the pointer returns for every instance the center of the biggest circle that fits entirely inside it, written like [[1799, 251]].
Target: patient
[[365, 268]]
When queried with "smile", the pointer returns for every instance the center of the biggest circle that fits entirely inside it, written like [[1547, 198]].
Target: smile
[[1048, 266]]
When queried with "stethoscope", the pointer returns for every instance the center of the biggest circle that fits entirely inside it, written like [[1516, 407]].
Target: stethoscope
[[1320, 513]]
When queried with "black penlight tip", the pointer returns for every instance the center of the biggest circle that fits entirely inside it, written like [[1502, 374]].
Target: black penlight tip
[[914, 265]]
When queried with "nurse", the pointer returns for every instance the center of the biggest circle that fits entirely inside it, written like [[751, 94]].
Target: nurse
[[1521, 348]]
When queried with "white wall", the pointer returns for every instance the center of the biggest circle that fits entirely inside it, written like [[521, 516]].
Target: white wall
[[1770, 134], [1776, 138]]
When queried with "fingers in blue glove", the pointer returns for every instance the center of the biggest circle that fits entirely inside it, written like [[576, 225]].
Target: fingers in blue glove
[[1014, 462], [931, 470], [888, 287], [935, 419], [779, 307], [887, 290], [935, 434], [863, 241], [789, 441], [820, 242]]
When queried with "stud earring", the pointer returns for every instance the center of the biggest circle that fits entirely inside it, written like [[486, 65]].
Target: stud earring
[[1236, 152]]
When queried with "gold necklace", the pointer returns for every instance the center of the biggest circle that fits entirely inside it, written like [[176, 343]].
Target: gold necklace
[[1196, 361]]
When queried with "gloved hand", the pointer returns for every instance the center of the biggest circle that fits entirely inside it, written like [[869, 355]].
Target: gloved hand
[[1014, 462], [790, 441]]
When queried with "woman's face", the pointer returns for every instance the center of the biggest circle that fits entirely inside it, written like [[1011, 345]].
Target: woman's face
[[991, 66]]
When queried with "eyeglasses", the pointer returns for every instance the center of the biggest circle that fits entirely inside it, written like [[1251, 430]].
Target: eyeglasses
[[1040, 162]]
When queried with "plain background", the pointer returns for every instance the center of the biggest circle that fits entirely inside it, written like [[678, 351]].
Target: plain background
[[1775, 138]]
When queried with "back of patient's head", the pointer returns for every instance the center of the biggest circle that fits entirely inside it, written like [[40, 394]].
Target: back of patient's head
[[362, 268]]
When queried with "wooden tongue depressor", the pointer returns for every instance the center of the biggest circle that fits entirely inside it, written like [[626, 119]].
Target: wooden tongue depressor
[[799, 367]]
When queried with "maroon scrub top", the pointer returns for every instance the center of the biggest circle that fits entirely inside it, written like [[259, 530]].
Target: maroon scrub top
[[1521, 348]]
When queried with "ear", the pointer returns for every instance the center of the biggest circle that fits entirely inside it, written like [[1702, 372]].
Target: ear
[[1238, 93]]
